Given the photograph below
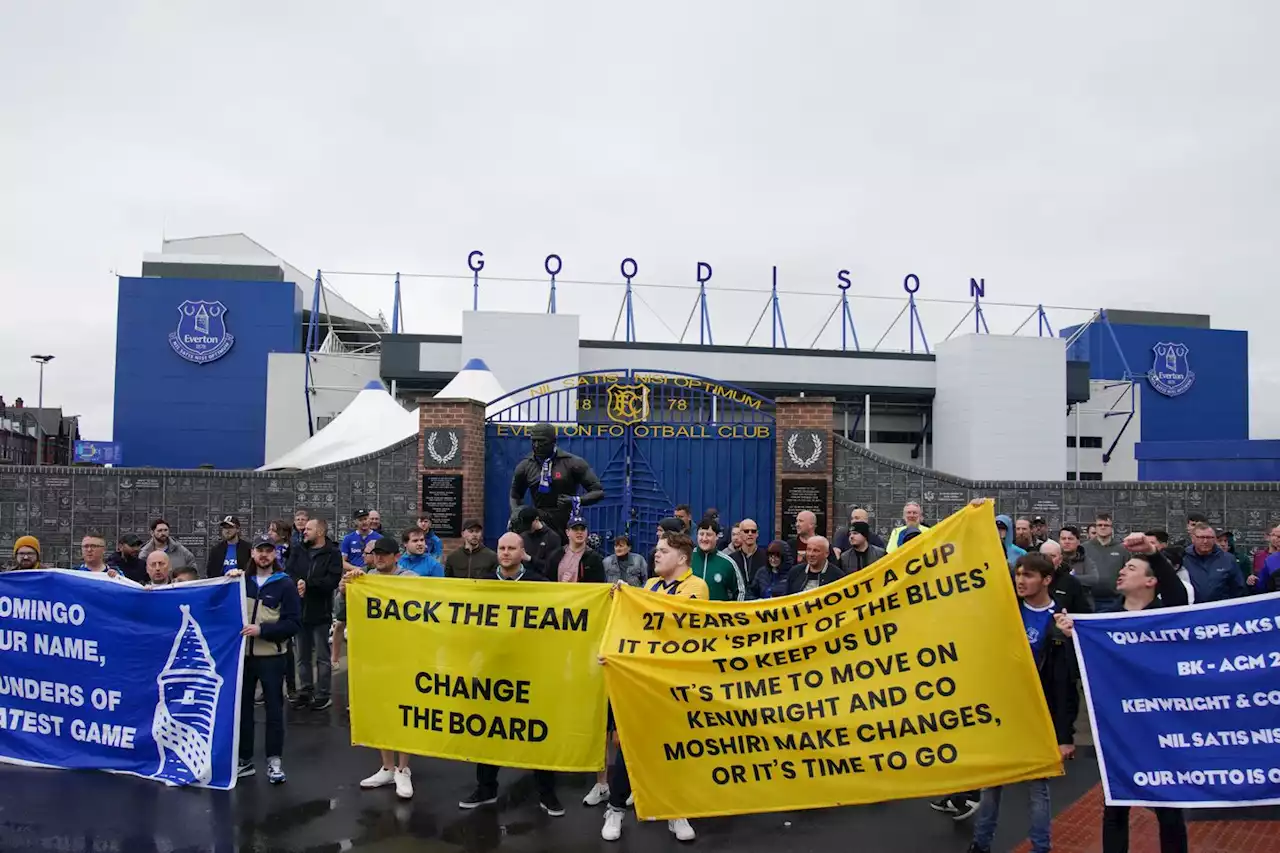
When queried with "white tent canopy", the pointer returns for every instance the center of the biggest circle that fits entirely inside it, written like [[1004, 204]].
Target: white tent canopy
[[373, 421], [474, 382]]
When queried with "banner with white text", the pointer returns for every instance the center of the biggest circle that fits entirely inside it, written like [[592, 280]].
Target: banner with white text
[[100, 674], [497, 672], [910, 678], [1185, 702]]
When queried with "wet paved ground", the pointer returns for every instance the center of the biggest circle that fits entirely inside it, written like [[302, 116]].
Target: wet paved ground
[[322, 809]]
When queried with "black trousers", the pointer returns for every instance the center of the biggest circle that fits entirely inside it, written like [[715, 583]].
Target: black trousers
[[290, 672], [487, 780], [1115, 830], [270, 672], [619, 781]]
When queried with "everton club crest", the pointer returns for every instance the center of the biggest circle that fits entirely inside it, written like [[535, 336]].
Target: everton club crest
[[1171, 373], [202, 334]]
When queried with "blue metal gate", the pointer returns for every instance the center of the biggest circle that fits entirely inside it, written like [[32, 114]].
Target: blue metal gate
[[656, 439]]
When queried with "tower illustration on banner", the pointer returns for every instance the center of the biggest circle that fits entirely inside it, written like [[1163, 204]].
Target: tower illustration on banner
[[189, 686]]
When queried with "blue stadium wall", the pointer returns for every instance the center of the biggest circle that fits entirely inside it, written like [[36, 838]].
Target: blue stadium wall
[[173, 413], [1202, 434]]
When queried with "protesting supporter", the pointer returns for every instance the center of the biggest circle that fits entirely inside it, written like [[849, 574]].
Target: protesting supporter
[[1227, 542], [352, 547], [473, 559], [1268, 578], [26, 553], [281, 535], [161, 540], [1039, 531], [1183, 544], [511, 567], [1106, 557], [125, 558], [716, 570], [159, 572], [1159, 541], [750, 558], [273, 611], [574, 562], [685, 514], [1033, 578], [279, 532], [416, 559], [1022, 535], [624, 564], [1214, 574], [300, 519], [912, 515], [806, 527], [674, 577], [841, 542], [1074, 560], [859, 552], [1066, 589], [231, 553], [435, 548], [770, 580], [816, 570], [317, 569], [184, 574], [93, 550], [1012, 551], [725, 540], [379, 558], [539, 540], [1260, 556], [1145, 582]]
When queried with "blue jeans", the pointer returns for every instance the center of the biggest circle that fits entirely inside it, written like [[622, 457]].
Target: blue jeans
[[984, 829]]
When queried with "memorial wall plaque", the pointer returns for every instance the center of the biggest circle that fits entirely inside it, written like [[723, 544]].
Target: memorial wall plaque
[[442, 496], [801, 495]]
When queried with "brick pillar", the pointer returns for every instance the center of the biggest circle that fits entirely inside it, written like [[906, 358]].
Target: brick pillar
[[809, 416], [465, 418]]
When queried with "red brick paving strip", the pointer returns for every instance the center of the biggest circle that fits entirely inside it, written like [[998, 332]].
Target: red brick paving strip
[[1078, 829]]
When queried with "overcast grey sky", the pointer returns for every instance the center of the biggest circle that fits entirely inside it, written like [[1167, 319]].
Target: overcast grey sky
[[1098, 153]]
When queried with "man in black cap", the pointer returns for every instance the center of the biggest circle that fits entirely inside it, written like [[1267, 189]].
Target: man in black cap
[[539, 539], [1039, 531], [860, 553], [232, 553], [553, 479], [671, 524], [473, 559], [126, 560]]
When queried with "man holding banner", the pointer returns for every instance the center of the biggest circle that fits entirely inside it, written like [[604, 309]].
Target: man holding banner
[[1147, 581]]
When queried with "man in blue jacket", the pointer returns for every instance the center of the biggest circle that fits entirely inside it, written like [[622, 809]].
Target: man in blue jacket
[[1004, 526], [1214, 573], [273, 614], [416, 557]]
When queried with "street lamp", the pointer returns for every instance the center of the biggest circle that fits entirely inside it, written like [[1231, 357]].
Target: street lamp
[[43, 360]]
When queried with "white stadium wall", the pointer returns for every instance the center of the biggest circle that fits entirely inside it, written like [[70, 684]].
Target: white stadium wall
[[998, 409], [336, 379]]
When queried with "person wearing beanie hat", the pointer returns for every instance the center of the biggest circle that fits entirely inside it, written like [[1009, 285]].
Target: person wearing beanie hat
[[540, 541], [861, 553], [26, 553]]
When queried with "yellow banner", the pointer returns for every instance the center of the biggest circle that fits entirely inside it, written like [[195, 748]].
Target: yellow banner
[[910, 678], [496, 672]]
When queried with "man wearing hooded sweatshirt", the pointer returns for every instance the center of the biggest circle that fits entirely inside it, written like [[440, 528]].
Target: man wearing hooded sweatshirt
[[1107, 558], [273, 613], [1004, 526], [1214, 573]]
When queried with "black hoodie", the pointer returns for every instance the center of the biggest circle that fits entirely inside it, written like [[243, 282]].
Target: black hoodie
[[321, 568]]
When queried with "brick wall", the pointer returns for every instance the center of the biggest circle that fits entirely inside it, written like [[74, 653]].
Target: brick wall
[[882, 485], [467, 416], [807, 413], [59, 505]]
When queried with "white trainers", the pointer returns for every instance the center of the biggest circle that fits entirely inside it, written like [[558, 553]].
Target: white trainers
[[597, 795], [612, 829], [681, 830], [385, 776], [631, 799], [404, 783]]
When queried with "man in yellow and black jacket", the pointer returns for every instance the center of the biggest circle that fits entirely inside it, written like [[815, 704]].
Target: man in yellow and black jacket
[[273, 614]]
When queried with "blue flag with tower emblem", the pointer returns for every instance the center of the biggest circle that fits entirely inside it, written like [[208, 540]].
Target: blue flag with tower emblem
[[100, 674]]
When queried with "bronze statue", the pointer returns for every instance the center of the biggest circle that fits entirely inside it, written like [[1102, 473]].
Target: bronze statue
[[553, 479]]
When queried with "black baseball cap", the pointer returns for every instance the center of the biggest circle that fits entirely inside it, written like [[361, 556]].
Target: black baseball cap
[[384, 545], [473, 524], [133, 540], [671, 525], [229, 521], [576, 521], [263, 542], [360, 513], [1039, 519]]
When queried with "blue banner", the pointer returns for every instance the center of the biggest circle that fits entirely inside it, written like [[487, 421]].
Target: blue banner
[[102, 674], [1185, 702]]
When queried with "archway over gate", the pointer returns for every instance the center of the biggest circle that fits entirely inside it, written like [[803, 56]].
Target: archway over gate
[[655, 438]]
